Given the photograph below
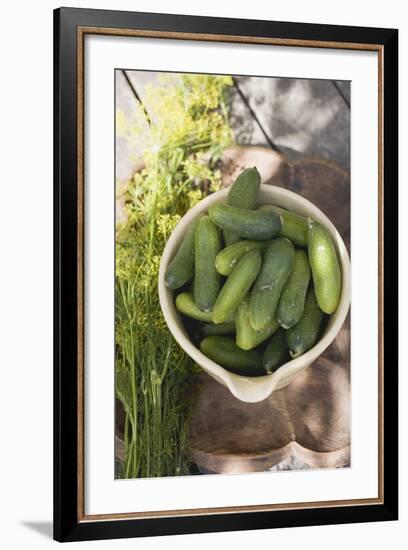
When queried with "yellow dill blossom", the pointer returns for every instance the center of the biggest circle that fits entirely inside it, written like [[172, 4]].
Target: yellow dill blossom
[[195, 196], [166, 223]]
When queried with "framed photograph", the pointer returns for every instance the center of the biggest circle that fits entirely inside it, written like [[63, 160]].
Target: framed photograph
[[225, 274]]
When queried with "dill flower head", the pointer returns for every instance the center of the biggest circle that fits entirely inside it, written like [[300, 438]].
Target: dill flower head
[[166, 223]]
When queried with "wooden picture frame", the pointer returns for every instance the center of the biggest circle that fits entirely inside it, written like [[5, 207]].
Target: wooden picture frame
[[70, 27]]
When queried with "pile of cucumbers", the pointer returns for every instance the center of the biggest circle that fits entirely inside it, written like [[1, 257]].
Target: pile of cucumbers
[[259, 281]]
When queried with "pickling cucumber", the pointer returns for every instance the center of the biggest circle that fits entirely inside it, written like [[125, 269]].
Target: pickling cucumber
[[225, 352], [250, 224], [292, 300], [229, 256], [207, 281], [276, 352], [243, 193], [276, 267], [185, 303], [294, 226], [181, 268], [237, 285], [209, 329], [247, 337], [325, 267], [305, 333]]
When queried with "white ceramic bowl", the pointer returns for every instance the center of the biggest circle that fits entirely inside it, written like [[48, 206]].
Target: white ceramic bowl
[[256, 388]]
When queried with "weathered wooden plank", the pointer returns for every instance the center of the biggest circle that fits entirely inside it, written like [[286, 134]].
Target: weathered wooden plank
[[140, 79], [124, 155], [345, 89], [306, 116], [245, 127]]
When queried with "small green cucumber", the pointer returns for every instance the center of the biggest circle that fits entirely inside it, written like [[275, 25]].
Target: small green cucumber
[[292, 300], [207, 281], [229, 256], [210, 329], [276, 352], [237, 286], [251, 224], [277, 265], [247, 337], [225, 352], [185, 304], [243, 193], [305, 333], [294, 227], [181, 268], [325, 267]]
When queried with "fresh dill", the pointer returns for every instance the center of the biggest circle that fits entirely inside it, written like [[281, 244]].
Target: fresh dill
[[180, 132]]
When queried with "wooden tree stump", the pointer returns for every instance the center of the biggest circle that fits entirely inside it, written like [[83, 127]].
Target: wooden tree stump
[[307, 420]]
